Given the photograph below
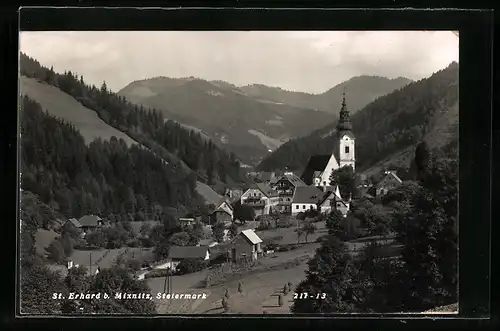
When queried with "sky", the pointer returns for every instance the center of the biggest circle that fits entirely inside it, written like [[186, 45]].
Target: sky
[[305, 61]]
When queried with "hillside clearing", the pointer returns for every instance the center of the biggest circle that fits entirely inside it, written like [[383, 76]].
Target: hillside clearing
[[65, 107]]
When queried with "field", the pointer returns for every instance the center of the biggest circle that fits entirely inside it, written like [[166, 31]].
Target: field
[[259, 287], [105, 258], [290, 236]]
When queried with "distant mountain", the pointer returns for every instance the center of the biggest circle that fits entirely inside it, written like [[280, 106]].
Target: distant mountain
[[253, 120], [387, 129], [360, 90]]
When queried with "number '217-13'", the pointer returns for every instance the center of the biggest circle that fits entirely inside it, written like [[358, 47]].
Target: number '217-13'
[[305, 295]]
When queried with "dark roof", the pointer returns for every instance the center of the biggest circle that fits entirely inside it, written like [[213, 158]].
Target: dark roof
[[316, 163], [89, 220], [221, 201], [75, 222], [293, 179], [327, 194], [265, 189], [388, 175], [307, 194], [188, 252], [265, 176]]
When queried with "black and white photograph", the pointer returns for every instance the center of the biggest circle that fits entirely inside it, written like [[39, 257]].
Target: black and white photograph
[[238, 172]]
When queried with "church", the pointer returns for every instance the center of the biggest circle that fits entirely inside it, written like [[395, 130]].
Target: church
[[320, 167]]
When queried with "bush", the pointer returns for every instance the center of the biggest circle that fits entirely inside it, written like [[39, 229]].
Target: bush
[[188, 266], [56, 251], [285, 289], [146, 242], [219, 259], [157, 273], [134, 265], [240, 287], [133, 243]]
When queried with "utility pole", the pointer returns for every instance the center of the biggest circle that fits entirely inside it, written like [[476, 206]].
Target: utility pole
[[167, 286]]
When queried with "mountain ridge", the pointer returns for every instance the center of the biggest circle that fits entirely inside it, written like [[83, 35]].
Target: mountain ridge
[[244, 122], [423, 110]]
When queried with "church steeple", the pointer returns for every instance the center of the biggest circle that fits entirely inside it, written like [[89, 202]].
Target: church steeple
[[344, 124], [346, 139]]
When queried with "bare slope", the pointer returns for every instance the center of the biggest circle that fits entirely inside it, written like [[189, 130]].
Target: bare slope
[[63, 106], [67, 108]]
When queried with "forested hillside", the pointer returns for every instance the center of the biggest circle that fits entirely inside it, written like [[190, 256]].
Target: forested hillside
[[180, 147], [392, 124], [103, 178]]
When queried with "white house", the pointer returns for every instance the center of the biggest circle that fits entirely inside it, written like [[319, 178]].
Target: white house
[[306, 198], [262, 198], [332, 200], [179, 253]]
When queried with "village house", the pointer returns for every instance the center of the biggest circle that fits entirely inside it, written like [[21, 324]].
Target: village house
[[388, 182], [332, 200], [233, 194], [90, 223], [285, 186], [246, 245], [223, 212], [180, 253], [262, 198], [320, 167], [306, 198]]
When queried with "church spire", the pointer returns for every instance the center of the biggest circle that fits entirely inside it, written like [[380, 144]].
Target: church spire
[[344, 124]]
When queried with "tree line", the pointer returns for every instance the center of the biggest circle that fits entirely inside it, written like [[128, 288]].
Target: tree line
[[147, 126], [104, 178], [396, 121], [423, 275]]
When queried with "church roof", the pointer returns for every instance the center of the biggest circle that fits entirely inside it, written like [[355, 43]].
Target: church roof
[[316, 163]]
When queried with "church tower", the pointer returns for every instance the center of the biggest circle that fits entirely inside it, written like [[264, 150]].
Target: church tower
[[345, 138]]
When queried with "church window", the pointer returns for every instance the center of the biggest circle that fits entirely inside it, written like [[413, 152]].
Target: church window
[[347, 149], [297, 207], [303, 206], [324, 183]]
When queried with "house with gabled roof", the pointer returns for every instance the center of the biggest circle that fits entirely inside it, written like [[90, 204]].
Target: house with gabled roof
[[246, 246], [223, 212], [180, 253], [286, 186], [332, 200], [306, 198], [388, 182], [261, 197]]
